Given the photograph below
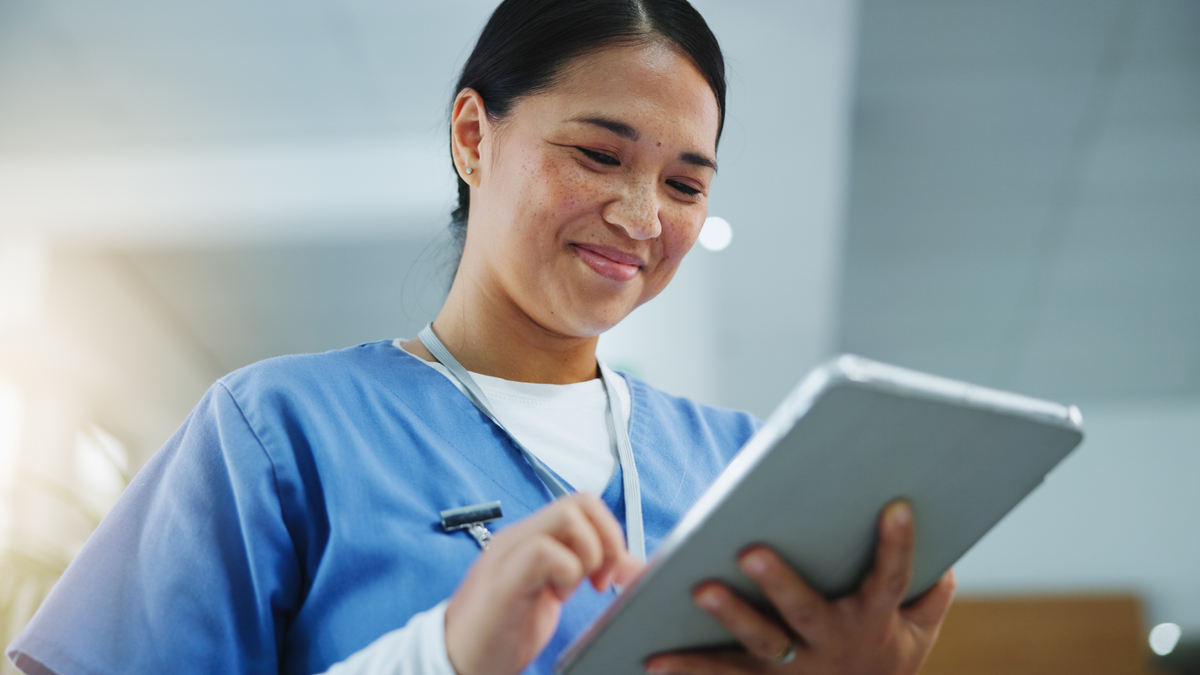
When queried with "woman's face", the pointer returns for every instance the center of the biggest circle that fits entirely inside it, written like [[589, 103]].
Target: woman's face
[[586, 197]]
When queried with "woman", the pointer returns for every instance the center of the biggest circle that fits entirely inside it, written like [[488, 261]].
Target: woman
[[292, 524]]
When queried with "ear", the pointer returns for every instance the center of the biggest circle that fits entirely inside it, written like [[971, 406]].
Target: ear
[[468, 121]]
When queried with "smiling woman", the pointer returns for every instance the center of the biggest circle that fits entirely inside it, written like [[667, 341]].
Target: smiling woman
[[585, 199], [326, 512]]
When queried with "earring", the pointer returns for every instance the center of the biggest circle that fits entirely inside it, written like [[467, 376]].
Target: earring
[[469, 170]]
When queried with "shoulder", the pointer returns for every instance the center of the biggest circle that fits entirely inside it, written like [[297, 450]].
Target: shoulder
[[327, 369], [346, 375], [322, 396], [273, 404]]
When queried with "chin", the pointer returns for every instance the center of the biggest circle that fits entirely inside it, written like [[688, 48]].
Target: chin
[[603, 321], [587, 324], [588, 311]]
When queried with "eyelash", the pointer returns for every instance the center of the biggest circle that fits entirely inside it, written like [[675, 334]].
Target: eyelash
[[600, 157], [609, 160], [685, 189]]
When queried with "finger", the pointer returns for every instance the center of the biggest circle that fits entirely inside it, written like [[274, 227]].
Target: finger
[[704, 663], [888, 581], [543, 562], [572, 526], [761, 637], [927, 611], [804, 610], [617, 561], [628, 570]]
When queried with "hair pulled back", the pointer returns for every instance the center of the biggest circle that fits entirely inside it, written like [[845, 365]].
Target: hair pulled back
[[526, 44]]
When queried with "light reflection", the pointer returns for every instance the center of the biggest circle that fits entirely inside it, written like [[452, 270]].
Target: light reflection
[[11, 409], [102, 467], [23, 265], [1164, 637], [716, 234]]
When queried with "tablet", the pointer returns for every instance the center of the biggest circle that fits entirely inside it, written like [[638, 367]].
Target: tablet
[[850, 438]]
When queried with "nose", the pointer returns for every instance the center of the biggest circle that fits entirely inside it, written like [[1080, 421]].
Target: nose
[[635, 210]]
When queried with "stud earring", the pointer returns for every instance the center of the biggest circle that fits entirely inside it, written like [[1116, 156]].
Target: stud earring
[[469, 170]]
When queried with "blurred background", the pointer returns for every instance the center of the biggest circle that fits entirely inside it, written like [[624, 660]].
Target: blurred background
[[1004, 192]]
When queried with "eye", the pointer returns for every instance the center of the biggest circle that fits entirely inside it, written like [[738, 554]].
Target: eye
[[600, 157], [684, 188]]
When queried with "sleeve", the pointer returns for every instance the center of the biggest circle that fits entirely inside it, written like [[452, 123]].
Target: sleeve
[[419, 648], [193, 571]]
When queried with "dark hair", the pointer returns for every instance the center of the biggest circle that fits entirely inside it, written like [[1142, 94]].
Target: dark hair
[[527, 43]]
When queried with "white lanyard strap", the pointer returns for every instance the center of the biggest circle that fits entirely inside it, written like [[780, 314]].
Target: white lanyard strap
[[634, 533]]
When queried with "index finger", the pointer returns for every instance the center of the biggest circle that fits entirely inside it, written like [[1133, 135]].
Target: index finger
[[802, 608], [618, 564]]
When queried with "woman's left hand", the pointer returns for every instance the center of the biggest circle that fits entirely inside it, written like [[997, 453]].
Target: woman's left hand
[[868, 633]]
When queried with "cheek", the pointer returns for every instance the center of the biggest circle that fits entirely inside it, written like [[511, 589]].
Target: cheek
[[679, 235], [554, 192], [576, 190]]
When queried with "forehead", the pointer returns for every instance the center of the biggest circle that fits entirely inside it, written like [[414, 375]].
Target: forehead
[[650, 86]]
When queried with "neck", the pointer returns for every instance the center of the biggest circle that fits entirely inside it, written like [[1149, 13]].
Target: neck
[[493, 337]]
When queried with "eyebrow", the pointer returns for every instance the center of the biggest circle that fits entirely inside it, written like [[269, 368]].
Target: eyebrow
[[619, 128], [699, 160], [625, 131]]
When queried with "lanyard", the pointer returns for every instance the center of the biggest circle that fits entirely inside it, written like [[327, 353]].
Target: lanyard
[[634, 535]]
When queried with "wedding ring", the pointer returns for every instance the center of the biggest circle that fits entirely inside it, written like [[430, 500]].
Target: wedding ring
[[786, 654]]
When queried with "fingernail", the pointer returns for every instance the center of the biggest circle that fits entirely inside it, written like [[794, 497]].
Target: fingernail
[[755, 564], [900, 514], [657, 668], [709, 598]]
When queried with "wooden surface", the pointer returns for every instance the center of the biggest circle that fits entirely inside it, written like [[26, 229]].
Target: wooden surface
[[1070, 635]]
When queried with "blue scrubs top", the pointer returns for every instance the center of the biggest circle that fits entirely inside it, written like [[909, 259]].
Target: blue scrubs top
[[293, 519]]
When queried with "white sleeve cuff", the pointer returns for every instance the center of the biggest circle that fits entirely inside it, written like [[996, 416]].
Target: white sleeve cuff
[[419, 648]]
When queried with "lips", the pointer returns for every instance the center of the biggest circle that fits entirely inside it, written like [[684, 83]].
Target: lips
[[610, 262]]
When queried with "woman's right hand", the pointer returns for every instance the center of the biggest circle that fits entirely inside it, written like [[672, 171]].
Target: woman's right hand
[[507, 607]]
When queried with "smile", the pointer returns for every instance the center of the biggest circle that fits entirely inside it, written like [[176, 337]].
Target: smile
[[609, 262]]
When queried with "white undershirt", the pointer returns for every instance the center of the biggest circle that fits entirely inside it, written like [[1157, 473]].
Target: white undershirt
[[563, 425]]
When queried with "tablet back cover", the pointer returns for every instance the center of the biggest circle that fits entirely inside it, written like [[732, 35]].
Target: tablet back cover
[[853, 436]]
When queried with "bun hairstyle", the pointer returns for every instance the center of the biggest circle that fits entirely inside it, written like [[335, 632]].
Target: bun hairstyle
[[526, 44]]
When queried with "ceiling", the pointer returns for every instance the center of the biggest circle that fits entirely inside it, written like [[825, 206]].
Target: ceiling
[[1025, 194], [78, 75]]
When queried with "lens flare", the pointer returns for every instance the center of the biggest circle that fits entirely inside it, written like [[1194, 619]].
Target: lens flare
[[716, 234], [1164, 637]]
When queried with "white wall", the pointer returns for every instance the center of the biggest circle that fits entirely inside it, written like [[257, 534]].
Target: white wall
[[1120, 514], [671, 342]]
